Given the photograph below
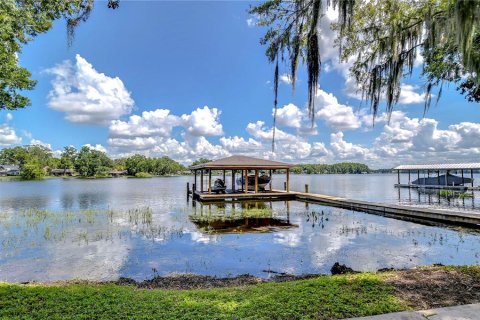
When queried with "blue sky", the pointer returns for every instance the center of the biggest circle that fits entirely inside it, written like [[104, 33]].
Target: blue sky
[[190, 79]]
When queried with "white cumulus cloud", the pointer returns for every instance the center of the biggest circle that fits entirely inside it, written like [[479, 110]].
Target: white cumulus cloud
[[409, 95], [86, 95], [260, 131], [240, 145], [337, 116], [158, 122], [97, 147], [8, 136], [203, 122], [348, 150]]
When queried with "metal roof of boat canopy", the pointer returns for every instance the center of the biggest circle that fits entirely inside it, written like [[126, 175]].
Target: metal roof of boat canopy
[[440, 166], [240, 163]]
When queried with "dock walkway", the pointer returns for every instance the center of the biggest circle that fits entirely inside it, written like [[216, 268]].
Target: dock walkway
[[395, 210], [392, 210]]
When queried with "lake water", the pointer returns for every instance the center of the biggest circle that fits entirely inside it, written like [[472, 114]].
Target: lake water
[[103, 229]]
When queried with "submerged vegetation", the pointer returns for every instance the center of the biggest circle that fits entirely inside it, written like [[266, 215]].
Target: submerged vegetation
[[27, 228], [454, 194], [239, 221]]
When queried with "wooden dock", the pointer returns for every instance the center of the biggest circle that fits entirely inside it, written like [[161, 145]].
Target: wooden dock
[[238, 196], [418, 214], [395, 210]]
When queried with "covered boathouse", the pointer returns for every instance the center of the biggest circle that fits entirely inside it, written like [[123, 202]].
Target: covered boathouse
[[251, 178], [438, 176]]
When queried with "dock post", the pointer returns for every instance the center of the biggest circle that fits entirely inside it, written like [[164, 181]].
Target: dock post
[[288, 180], [471, 176], [438, 177], [306, 188], [271, 180], [201, 183], [195, 181], [246, 181], [256, 181], [463, 180], [233, 181], [209, 181], [398, 177], [285, 186], [446, 178], [408, 177], [418, 176], [188, 189]]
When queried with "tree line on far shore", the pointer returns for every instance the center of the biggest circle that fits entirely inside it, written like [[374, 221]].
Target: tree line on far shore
[[343, 167], [36, 161]]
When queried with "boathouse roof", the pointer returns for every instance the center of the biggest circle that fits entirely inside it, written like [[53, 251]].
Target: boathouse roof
[[440, 166], [242, 162]]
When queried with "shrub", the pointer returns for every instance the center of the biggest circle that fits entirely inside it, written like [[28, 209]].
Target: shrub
[[32, 171], [142, 175]]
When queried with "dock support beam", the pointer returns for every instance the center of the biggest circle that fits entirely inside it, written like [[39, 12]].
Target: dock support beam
[[408, 176], [195, 181], [271, 180], [246, 181], [256, 181], [463, 180], [471, 176], [288, 180], [398, 176], [233, 181], [210, 181], [201, 178]]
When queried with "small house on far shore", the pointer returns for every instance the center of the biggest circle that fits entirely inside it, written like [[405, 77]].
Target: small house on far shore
[[9, 170], [61, 172], [117, 173]]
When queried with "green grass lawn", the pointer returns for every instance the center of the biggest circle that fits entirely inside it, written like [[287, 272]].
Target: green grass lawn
[[324, 297]]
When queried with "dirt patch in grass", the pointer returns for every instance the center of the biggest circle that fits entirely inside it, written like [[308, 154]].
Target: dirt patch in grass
[[433, 287]]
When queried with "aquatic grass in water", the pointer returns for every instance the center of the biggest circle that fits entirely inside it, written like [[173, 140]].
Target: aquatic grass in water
[[252, 219], [454, 194], [31, 227], [222, 215]]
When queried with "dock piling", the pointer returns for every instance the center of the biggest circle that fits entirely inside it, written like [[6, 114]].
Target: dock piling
[[285, 186], [306, 188]]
